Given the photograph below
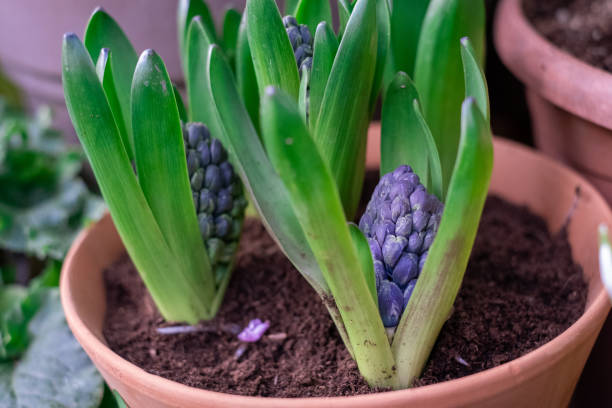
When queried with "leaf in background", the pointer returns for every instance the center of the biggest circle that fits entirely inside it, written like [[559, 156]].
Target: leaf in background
[[94, 124], [442, 274], [475, 82], [180, 105], [439, 69], [341, 130], [290, 7], [201, 107], [103, 32], [345, 8], [405, 137], [303, 99], [365, 259], [325, 48], [383, 24], [231, 26], [105, 74], [315, 199], [245, 74], [162, 172], [273, 57], [55, 370], [406, 21], [312, 12], [187, 10]]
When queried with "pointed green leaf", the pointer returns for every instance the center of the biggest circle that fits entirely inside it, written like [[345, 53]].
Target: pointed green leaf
[[405, 137], [345, 7], [139, 231], [231, 26], [180, 104], [314, 197], [271, 50], [365, 259], [439, 282], [187, 10], [303, 98], [341, 130], [383, 19], [439, 70], [406, 21], [475, 82], [201, 107], [103, 32], [325, 48], [312, 12], [245, 74], [105, 74], [162, 171], [291, 7]]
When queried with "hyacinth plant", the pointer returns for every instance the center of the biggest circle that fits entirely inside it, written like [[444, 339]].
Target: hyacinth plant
[[301, 157], [166, 178]]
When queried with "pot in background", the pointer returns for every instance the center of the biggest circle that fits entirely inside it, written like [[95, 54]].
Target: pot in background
[[545, 377]]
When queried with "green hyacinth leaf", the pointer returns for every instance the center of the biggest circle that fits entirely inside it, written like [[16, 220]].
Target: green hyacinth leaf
[[103, 32], [406, 22], [291, 7], [405, 137], [187, 10], [315, 199], [93, 121], [313, 12], [475, 81], [384, 43], [201, 107], [325, 49], [273, 57], [105, 75], [341, 130], [345, 8], [162, 171], [180, 104], [231, 27], [442, 274], [439, 69], [303, 97], [264, 185], [245, 74], [365, 259]]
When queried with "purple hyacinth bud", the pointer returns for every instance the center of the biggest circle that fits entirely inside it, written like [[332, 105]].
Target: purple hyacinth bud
[[428, 240], [225, 202], [390, 303], [418, 198], [419, 220], [382, 229], [401, 171], [422, 260], [415, 241], [379, 272], [194, 135], [197, 179], [401, 189], [399, 206], [392, 249], [223, 226], [227, 172], [403, 226], [217, 152], [207, 225], [254, 331], [212, 179], [193, 163], [203, 153], [305, 32], [375, 249], [294, 37], [406, 269], [365, 224], [207, 201], [385, 212], [411, 178], [408, 291]]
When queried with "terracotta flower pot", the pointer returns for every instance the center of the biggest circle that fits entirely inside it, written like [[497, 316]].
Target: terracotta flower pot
[[545, 377], [569, 100]]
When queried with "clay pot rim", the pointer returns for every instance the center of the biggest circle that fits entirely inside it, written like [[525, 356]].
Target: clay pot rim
[[524, 367], [545, 68]]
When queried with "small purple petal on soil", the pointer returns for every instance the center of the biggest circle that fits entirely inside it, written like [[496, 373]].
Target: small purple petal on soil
[[254, 331]]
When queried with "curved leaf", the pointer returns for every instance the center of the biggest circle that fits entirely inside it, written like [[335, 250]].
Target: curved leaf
[[231, 26], [313, 12], [406, 22], [365, 259], [475, 82], [187, 10], [245, 74], [271, 50], [405, 137], [325, 49], [439, 70], [180, 104], [383, 21], [315, 199], [341, 130], [442, 274], [98, 133]]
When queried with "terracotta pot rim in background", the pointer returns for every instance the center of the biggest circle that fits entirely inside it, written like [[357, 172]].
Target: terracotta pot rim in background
[[551, 72], [486, 384]]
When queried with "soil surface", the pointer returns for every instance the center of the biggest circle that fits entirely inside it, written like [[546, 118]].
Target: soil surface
[[581, 27], [521, 289]]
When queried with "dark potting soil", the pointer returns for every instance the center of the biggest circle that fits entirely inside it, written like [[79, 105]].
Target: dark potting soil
[[581, 27], [521, 289]]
